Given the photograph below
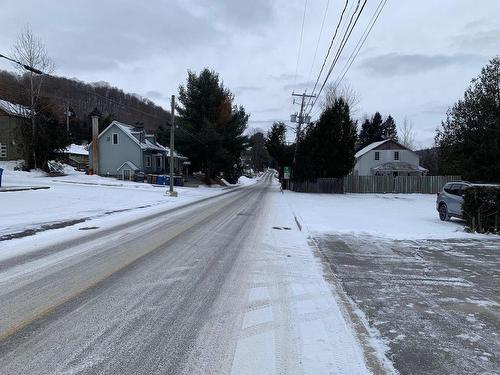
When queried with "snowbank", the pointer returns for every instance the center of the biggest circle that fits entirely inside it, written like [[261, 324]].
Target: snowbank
[[243, 180], [397, 216], [79, 196]]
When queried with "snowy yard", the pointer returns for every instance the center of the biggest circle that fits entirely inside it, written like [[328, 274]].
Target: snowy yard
[[79, 196], [395, 216]]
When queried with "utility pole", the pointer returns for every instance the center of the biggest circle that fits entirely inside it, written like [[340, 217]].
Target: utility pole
[[67, 118], [172, 131], [301, 119]]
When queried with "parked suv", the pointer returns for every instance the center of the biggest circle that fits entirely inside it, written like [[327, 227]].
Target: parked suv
[[450, 199]]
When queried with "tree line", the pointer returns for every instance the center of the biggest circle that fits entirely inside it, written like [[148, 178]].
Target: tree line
[[210, 125], [467, 143]]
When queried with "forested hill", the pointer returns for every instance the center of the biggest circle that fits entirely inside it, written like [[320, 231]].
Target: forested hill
[[83, 97]]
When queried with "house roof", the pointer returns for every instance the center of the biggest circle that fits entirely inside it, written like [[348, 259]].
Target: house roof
[[375, 145], [76, 150], [399, 166], [368, 148], [13, 109], [130, 164], [146, 144]]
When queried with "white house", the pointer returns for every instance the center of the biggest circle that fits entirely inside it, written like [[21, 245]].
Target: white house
[[387, 158]]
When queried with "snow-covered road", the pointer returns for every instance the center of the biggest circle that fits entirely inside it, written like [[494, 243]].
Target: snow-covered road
[[229, 285]]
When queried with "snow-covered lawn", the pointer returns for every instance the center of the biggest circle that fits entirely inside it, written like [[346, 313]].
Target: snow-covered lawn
[[396, 216], [79, 196]]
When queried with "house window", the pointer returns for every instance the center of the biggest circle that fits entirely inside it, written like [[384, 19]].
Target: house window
[[396, 155], [377, 155], [148, 161], [3, 151], [115, 138]]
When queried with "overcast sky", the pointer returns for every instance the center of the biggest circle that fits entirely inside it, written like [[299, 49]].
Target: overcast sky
[[418, 59]]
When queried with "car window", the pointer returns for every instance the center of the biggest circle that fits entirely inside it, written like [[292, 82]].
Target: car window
[[455, 189], [448, 188]]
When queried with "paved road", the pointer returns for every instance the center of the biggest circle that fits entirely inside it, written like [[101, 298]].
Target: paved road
[[134, 301], [228, 285], [436, 303]]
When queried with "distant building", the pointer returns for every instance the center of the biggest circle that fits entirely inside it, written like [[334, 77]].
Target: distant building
[[125, 150], [387, 158], [12, 117], [77, 156]]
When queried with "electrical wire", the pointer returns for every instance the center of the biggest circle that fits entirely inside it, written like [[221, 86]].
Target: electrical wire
[[360, 43], [300, 42], [329, 49], [319, 38], [344, 41]]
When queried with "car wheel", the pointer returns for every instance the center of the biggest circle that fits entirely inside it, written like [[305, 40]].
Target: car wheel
[[443, 212]]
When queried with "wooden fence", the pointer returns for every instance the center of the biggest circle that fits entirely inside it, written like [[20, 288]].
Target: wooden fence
[[375, 184]]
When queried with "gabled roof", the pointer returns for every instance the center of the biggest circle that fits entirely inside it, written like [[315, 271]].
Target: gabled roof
[[130, 164], [13, 109], [376, 145], [129, 131], [368, 148], [146, 144]]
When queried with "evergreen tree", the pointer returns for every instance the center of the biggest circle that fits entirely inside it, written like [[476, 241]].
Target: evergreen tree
[[327, 149], [277, 147], [469, 139], [389, 130], [371, 131], [364, 135], [52, 137], [211, 126]]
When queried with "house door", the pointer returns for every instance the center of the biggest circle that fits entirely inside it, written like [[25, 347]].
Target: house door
[[159, 163], [126, 174]]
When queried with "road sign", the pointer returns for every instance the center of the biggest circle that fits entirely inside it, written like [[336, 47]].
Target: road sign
[[286, 173]]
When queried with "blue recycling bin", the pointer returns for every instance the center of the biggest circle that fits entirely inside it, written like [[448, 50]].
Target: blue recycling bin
[[159, 180], [1, 172]]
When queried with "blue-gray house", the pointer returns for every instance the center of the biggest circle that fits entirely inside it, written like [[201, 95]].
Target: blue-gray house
[[124, 150]]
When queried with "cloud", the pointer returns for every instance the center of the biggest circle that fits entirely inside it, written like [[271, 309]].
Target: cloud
[[238, 90], [298, 85], [283, 77], [400, 64], [484, 40], [154, 95]]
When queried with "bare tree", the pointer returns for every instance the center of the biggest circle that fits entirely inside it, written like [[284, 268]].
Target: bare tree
[[29, 50], [344, 91], [406, 134]]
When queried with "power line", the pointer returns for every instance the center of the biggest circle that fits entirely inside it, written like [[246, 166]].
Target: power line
[[344, 41], [361, 41], [329, 49], [319, 37], [300, 42]]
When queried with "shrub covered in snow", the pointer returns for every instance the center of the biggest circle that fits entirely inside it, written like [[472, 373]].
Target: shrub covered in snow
[[482, 208]]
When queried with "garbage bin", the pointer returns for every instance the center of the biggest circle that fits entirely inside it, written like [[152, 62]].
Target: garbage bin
[[159, 180], [178, 181], [1, 172]]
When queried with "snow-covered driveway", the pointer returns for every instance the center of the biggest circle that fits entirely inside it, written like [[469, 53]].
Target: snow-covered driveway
[[426, 288]]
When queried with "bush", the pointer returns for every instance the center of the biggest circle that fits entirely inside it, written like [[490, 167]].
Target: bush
[[481, 208]]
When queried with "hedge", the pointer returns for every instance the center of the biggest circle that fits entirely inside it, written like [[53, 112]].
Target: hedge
[[481, 208]]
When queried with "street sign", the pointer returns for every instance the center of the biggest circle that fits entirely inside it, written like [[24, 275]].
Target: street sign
[[286, 173]]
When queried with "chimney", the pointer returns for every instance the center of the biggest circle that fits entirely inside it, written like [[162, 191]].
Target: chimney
[[95, 114]]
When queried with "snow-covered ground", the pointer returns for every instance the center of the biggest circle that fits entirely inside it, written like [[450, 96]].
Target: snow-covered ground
[[101, 201], [394, 216], [294, 322]]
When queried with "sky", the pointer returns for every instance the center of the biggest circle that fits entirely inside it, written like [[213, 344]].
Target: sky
[[417, 61]]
